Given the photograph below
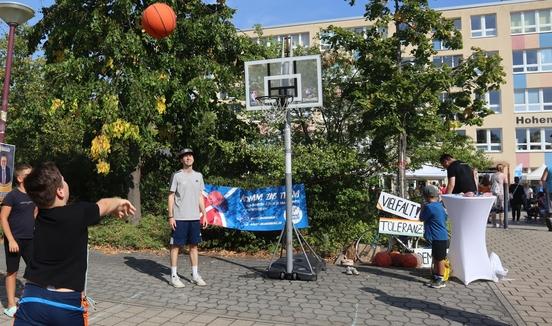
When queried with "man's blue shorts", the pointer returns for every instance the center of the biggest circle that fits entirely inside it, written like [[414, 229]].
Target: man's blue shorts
[[186, 233], [39, 306]]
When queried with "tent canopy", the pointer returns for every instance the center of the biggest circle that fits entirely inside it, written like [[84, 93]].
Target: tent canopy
[[427, 172], [518, 171], [537, 174]]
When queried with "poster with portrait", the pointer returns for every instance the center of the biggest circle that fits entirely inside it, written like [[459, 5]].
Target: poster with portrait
[[7, 157]]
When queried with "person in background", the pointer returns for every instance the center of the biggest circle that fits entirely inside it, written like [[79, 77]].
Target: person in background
[[17, 217], [434, 216], [483, 188], [543, 207], [485, 185], [461, 177], [497, 188], [185, 207], [518, 199], [528, 195], [443, 189]]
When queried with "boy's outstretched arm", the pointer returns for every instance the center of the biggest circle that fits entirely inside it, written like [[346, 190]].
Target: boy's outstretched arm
[[117, 206]]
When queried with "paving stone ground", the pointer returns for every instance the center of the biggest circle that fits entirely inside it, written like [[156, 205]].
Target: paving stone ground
[[133, 289]]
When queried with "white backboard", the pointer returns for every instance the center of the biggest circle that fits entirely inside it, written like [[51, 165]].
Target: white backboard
[[299, 77]]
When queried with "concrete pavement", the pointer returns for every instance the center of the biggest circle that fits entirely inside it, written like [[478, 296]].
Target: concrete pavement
[[133, 289]]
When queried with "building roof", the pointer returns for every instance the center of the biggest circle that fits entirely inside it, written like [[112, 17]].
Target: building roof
[[322, 21]]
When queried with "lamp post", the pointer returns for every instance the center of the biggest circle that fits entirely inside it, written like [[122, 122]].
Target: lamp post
[[14, 14]]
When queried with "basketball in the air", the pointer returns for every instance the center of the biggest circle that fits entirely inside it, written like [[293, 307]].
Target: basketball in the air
[[159, 20]]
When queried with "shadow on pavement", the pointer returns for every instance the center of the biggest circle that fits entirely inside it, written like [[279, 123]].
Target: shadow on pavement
[[257, 271], [460, 316], [417, 273], [149, 267]]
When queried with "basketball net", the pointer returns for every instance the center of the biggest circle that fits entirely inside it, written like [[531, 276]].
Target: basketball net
[[275, 107]]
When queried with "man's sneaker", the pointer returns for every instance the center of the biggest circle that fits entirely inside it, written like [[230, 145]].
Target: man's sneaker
[[198, 281], [10, 311], [176, 282], [438, 284]]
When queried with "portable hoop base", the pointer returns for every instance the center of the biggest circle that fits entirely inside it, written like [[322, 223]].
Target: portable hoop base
[[301, 269], [305, 265]]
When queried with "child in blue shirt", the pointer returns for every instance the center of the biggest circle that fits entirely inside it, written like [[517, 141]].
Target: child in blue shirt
[[435, 232]]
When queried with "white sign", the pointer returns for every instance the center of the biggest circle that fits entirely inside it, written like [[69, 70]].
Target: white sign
[[399, 206], [399, 226], [427, 259]]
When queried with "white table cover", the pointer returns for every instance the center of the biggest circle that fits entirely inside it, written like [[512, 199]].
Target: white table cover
[[468, 248]]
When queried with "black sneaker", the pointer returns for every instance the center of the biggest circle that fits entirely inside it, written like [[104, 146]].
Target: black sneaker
[[433, 278], [438, 284]]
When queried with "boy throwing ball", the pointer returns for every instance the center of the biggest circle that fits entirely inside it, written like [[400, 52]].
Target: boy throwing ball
[[435, 232], [57, 271]]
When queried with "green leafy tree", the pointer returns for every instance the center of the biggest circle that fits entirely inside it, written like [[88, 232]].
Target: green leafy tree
[[139, 98], [398, 93]]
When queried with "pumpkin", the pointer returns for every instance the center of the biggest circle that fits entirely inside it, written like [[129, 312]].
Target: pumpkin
[[395, 258], [382, 259], [411, 260]]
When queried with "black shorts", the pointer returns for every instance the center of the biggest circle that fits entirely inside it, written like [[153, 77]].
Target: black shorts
[[439, 249], [13, 258]]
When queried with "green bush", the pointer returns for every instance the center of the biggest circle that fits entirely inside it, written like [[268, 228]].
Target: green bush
[[151, 233]]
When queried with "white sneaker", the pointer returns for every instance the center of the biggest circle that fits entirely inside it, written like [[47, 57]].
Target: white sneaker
[[198, 281], [176, 282], [10, 312]]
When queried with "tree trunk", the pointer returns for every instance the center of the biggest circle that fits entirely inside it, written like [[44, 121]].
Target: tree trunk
[[134, 195]]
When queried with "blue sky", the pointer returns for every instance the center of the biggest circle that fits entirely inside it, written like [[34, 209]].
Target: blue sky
[[277, 12]]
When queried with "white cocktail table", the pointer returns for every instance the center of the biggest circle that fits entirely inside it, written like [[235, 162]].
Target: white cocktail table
[[468, 248]]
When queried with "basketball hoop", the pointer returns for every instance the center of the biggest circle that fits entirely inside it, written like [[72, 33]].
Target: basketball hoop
[[276, 107]]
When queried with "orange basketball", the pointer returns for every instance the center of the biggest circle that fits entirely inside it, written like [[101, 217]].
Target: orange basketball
[[159, 20]]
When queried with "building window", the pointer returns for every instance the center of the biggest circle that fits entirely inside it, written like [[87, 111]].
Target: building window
[[360, 30], [531, 21], [300, 39], [449, 60], [325, 44], [493, 101], [438, 44], [533, 139], [534, 60], [489, 140], [483, 26], [461, 133], [297, 40], [533, 99]]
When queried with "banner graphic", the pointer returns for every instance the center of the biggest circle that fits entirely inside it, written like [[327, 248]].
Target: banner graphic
[[261, 209]]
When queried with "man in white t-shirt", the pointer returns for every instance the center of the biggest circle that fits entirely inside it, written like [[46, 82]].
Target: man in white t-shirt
[[185, 206]]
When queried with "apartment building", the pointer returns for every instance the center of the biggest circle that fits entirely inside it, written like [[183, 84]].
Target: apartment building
[[520, 131]]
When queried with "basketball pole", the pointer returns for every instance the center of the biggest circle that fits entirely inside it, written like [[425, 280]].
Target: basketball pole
[[287, 51]]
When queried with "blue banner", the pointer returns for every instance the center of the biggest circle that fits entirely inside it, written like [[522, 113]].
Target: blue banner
[[262, 209]]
